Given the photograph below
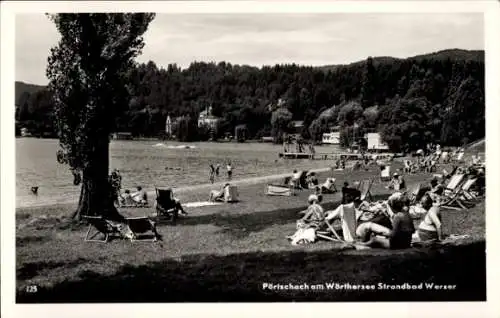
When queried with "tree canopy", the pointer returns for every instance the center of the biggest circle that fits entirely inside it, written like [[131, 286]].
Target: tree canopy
[[88, 73]]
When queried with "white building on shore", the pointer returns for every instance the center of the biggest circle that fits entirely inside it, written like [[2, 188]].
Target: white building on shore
[[207, 119], [332, 137]]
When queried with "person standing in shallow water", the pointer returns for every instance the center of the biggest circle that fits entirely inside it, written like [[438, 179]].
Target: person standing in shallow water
[[212, 173], [217, 169], [229, 169]]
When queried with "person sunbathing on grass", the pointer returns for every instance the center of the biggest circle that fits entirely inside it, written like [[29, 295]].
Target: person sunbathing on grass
[[314, 215], [218, 195], [430, 227], [126, 199], [400, 236], [140, 196], [328, 186]]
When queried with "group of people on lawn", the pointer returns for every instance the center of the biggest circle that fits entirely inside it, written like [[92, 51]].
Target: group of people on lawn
[[387, 224], [393, 229]]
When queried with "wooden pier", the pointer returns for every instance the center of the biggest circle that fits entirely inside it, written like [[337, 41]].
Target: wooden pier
[[320, 156], [334, 156]]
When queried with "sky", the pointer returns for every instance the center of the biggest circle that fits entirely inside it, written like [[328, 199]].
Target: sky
[[268, 39]]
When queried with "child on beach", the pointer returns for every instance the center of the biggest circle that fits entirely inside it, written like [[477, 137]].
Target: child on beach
[[217, 168]]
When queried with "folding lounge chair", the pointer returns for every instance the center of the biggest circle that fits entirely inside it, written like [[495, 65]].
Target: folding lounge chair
[[348, 223], [141, 225], [365, 188], [451, 196], [165, 203], [466, 194], [414, 194], [100, 226], [385, 175]]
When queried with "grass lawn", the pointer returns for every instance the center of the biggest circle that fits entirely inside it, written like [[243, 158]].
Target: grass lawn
[[226, 253]]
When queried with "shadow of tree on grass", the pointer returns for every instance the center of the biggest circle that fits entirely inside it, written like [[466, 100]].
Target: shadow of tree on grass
[[240, 277]]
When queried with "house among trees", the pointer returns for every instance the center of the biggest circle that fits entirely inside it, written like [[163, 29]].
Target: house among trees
[[332, 137], [207, 119]]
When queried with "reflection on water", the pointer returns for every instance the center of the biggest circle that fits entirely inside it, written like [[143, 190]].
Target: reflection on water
[[147, 163]]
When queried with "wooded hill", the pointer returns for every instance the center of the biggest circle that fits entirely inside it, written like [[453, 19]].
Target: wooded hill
[[435, 97]]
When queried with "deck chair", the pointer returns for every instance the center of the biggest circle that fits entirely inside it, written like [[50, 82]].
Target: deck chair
[[467, 194], [365, 188], [165, 203], [279, 190], [451, 198], [100, 226], [414, 194], [385, 175], [141, 225], [231, 194], [348, 223]]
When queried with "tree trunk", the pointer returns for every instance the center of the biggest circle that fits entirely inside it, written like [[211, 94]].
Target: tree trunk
[[96, 196]]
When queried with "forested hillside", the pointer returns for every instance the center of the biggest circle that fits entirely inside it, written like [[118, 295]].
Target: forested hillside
[[436, 97]]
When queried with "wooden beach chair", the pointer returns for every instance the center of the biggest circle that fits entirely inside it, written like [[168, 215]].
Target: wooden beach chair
[[231, 194], [165, 203], [451, 198], [140, 225], [385, 175], [100, 226], [365, 188], [466, 194], [414, 194], [348, 223]]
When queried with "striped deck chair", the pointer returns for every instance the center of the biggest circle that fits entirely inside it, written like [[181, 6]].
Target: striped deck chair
[[100, 226], [467, 195], [365, 190], [348, 223], [452, 193]]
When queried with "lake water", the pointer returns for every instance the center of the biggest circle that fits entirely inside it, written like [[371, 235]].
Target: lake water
[[149, 164]]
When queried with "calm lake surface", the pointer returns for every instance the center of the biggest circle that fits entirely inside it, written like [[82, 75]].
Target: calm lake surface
[[149, 164]]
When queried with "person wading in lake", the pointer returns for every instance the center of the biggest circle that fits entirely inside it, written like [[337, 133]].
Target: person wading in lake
[[217, 168], [212, 173], [229, 169]]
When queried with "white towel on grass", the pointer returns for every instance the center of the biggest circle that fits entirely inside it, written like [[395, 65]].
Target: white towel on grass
[[200, 204]]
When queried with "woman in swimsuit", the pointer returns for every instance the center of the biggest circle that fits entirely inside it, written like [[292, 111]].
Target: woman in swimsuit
[[430, 227]]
